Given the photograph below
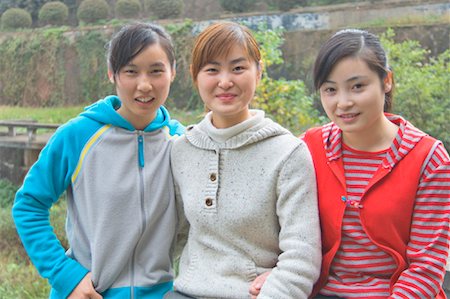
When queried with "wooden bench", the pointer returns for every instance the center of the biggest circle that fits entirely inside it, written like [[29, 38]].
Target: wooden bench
[[30, 125]]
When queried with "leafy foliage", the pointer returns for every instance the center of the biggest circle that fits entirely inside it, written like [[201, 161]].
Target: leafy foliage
[[166, 9], [422, 85], [128, 9], [285, 5], [91, 11], [15, 18], [286, 101], [237, 5], [54, 13], [7, 193]]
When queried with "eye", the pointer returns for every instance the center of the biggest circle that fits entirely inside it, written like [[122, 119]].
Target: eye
[[157, 71], [239, 68], [129, 71], [328, 90], [358, 86], [211, 70]]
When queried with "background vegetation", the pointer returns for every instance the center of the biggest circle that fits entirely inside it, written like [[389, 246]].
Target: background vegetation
[[422, 89]]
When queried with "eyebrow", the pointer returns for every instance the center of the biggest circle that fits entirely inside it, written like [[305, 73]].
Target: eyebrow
[[156, 64], [234, 61], [354, 78]]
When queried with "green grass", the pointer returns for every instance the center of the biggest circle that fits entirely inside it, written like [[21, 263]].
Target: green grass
[[18, 277]]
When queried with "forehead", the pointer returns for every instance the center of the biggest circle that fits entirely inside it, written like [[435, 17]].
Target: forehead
[[350, 66], [150, 54]]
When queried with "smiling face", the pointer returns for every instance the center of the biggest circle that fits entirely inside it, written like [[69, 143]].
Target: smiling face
[[143, 85], [353, 97], [227, 85]]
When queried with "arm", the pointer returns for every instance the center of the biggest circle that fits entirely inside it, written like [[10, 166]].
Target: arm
[[298, 264], [427, 250], [44, 183]]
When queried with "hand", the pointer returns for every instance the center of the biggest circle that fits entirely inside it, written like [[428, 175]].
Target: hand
[[257, 284], [85, 290]]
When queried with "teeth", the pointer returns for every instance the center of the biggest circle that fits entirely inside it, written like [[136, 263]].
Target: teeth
[[144, 100]]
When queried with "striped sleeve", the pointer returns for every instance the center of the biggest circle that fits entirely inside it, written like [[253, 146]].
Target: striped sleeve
[[428, 247]]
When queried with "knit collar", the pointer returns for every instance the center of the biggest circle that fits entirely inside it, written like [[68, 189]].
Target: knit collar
[[405, 140], [257, 127]]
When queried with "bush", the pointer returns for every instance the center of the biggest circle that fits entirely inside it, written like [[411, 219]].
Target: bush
[[128, 9], [54, 13], [15, 18], [287, 102], [7, 193], [285, 5], [166, 9], [421, 85], [91, 11], [237, 5]]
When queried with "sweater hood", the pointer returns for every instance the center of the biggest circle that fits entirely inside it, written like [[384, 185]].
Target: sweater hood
[[104, 111], [205, 136], [407, 137]]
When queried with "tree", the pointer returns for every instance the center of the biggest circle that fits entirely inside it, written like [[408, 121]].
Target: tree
[[91, 11], [237, 5], [288, 102], [54, 13], [128, 9], [15, 18], [422, 87], [166, 9]]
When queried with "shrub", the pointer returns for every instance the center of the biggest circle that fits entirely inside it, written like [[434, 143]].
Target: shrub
[[91, 11], [7, 193], [15, 18], [166, 9], [285, 5], [54, 13], [237, 5], [128, 8]]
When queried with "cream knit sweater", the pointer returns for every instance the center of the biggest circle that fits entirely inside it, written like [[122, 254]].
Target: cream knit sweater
[[249, 197]]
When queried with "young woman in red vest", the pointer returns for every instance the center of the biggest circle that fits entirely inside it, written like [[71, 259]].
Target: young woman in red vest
[[383, 185]]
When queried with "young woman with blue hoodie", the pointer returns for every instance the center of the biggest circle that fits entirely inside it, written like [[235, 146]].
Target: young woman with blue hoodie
[[113, 163]]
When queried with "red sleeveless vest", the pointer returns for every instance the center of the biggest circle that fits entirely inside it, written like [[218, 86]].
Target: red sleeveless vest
[[387, 204]]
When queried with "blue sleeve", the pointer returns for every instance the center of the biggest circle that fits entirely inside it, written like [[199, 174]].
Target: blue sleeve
[[47, 179]]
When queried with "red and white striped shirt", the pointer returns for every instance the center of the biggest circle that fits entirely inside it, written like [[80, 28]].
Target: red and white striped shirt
[[361, 269]]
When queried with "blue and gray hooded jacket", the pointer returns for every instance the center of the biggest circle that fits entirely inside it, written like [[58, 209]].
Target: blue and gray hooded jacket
[[121, 212]]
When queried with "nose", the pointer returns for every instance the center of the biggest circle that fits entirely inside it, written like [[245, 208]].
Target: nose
[[344, 101], [144, 84], [225, 82]]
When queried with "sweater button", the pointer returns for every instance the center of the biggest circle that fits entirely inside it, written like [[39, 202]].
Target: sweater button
[[208, 202], [213, 177]]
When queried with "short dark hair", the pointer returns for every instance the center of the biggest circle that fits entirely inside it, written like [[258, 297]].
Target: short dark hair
[[353, 43], [132, 39]]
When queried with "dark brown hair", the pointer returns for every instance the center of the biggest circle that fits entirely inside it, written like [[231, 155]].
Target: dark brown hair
[[353, 43], [133, 39], [217, 40]]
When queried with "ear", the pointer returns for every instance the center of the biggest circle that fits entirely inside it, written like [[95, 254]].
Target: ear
[[192, 75], [111, 76], [388, 82], [260, 67], [174, 74]]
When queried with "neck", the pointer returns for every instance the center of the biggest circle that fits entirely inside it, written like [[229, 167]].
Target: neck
[[377, 138], [224, 121]]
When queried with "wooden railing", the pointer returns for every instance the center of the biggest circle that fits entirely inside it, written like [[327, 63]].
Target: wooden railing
[[30, 126]]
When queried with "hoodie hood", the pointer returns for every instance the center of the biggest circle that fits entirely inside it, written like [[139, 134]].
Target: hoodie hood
[[104, 111]]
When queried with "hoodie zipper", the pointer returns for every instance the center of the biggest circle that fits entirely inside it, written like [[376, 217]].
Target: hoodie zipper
[[141, 163]]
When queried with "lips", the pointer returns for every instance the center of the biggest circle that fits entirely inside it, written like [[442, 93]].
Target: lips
[[226, 96], [145, 100], [348, 115]]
